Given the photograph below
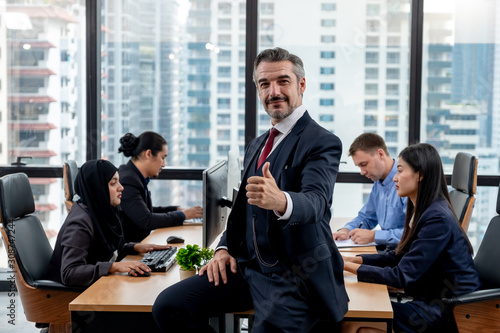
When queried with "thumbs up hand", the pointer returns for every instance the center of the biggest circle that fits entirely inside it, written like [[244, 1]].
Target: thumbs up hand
[[266, 172], [264, 192]]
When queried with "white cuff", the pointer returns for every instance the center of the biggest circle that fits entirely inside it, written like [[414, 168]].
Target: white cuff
[[289, 208], [220, 248]]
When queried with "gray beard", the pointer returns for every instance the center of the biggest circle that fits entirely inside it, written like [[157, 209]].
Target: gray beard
[[280, 115]]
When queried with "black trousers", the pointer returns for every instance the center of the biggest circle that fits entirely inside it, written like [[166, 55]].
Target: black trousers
[[187, 305], [419, 316], [281, 303]]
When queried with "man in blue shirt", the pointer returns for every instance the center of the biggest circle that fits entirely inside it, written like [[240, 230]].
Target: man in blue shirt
[[384, 207]]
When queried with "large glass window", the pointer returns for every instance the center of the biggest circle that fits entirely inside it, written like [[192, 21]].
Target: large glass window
[[371, 73], [42, 94], [182, 59], [42, 62], [327, 70], [365, 70], [460, 102]]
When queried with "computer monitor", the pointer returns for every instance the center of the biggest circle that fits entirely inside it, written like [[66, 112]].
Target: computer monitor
[[214, 210], [233, 173], [220, 187]]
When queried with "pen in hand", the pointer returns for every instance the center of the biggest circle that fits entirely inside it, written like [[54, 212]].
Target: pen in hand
[[359, 227]]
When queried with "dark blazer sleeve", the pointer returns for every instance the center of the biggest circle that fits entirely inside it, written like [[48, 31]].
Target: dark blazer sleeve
[[310, 183], [76, 242], [125, 250], [424, 251], [381, 260], [167, 209]]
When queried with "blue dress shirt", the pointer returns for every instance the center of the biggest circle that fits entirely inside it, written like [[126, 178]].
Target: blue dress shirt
[[384, 207]]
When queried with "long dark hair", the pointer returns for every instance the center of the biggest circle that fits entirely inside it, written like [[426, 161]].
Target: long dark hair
[[424, 159], [132, 146]]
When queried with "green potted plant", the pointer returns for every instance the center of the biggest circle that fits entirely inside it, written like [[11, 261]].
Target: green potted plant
[[192, 258]]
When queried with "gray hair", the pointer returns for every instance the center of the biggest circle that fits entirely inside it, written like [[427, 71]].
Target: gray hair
[[279, 54]]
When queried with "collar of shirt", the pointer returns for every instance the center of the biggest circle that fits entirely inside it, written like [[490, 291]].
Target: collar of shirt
[[286, 125], [145, 181], [388, 181]]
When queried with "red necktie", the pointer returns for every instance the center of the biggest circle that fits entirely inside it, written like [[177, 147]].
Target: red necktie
[[268, 147]]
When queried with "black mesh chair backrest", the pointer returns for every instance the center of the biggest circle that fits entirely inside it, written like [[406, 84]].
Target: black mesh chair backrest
[[487, 259], [463, 183], [32, 249], [16, 197]]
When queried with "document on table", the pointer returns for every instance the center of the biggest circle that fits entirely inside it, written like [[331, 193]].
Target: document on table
[[350, 243]]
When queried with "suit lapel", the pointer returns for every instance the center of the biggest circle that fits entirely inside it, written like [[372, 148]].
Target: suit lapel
[[253, 152], [288, 145]]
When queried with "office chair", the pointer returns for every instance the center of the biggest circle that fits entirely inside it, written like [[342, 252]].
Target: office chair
[[45, 302], [479, 311], [70, 170], [463, 183]]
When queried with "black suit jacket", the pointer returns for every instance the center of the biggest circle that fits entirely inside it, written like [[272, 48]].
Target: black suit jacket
[[306, 168], [139, 216]]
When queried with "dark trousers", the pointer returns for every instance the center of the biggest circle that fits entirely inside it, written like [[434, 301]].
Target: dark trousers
[[281, 303], [187, 305], [418, 317]]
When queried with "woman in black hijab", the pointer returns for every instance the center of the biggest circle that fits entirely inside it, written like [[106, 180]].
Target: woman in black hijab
[[91, 238]]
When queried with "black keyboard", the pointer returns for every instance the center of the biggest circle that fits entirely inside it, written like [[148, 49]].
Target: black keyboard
[[160, 260]]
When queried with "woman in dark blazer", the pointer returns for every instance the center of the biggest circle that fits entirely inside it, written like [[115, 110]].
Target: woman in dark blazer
[[434, 257], [91, 239], [147, 154]]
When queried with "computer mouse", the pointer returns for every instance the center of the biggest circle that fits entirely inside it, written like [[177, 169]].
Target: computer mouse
[[175, 239], [139, 274]]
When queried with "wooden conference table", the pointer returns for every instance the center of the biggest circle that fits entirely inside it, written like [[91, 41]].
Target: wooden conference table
[[121, 303]]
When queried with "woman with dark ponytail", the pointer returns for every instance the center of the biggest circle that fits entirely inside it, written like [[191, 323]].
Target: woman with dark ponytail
[[91, 240], [433, 260], [147, 154]]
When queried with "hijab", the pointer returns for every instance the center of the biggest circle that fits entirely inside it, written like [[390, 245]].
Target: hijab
[[91, 184]]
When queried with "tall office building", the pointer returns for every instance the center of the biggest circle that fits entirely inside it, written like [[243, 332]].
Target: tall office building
[[216, 80], [199, 80], [473, 58], [120, 66], [458, 95], [141, 80], [42, 93]]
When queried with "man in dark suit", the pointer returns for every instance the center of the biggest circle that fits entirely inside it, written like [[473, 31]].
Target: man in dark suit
[[277, 254]]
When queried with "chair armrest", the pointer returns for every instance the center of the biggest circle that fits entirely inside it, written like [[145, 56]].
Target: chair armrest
[[53, 285], [473, 297]]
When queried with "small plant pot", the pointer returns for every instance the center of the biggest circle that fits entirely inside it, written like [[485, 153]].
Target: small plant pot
[[185, 274]]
